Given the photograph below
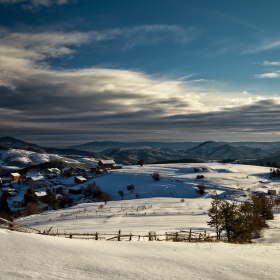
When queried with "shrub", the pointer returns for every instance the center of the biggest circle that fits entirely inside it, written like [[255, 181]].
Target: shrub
[[201, 189], [130, 188], [121, 194], [105, 197], [32, 208], [156, 176]]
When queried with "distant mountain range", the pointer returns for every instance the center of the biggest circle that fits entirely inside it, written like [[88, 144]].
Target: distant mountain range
[[131, 153], [104, 145]]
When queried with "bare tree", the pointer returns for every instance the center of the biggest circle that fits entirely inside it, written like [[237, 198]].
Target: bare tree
[[105, 197], [121, 194], [130, 188]]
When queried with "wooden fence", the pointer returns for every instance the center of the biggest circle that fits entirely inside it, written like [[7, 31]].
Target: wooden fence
[[182, 236]]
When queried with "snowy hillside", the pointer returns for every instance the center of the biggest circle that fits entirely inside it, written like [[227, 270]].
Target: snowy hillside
[[168, 212], [22, 158], [169, 205], [32, 256]]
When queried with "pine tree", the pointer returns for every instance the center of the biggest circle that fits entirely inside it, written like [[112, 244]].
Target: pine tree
[[4, 206], [51, 200], [30, 197], [215, 215]]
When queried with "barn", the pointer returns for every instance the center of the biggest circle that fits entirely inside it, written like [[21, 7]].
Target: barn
[[108, 163]]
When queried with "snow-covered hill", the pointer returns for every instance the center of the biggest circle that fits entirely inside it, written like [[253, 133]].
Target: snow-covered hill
[[23, 158], [155, 210]]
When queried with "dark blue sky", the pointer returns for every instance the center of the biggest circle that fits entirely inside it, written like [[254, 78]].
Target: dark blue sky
[[79, 71]]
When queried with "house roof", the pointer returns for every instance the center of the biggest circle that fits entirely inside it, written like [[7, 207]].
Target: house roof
[[67, 168], [81, 178], [15, 174], [107, 161], [41, 194], [54, 169], [38, 178]]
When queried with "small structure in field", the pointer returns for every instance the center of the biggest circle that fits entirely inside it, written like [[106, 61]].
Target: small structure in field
[[54, 171], [68, 171], [75, 190], [37, 182], [15, 177], [41, 196], [56, 189], [79, 180], [117, 166], [108, 163]]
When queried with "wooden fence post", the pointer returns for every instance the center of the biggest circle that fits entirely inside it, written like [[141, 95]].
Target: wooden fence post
[[96, 236], [119, 236], [190, 235]]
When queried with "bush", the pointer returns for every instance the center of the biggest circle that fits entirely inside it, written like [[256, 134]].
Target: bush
[[105, 197], [32, 208], [121, 194], [156, 176], [130, 188], [201, 189]]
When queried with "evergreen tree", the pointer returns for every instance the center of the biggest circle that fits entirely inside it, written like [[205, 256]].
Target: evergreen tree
[[30, 197], [4, 207], [51, 200], [215, 215], [263, 206], [240, 222]]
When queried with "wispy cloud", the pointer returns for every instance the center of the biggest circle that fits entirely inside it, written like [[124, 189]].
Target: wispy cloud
[[265, 45], [271, 63], [34, 4], [269, 75]]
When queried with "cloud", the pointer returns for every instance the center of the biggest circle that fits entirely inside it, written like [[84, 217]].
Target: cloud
[[34, 4], [64, 104], [271, 63], [265, 45], [269, 75]]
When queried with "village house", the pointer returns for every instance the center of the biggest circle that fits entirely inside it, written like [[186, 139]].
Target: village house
[[6, 180], [76, 190], [18, 202], [54, 171], [68, 171], [37, 182], [117, 166], [41, 196], [79, 180], [15, 177], [108, 163], [56, 189]]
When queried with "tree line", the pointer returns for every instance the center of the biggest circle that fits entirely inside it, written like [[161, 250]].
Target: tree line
[[240, 222]]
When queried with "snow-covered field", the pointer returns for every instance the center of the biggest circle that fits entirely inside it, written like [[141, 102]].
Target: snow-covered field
[[159, 208]]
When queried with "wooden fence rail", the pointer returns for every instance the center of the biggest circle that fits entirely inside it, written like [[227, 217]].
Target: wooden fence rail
[[182, 236]]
